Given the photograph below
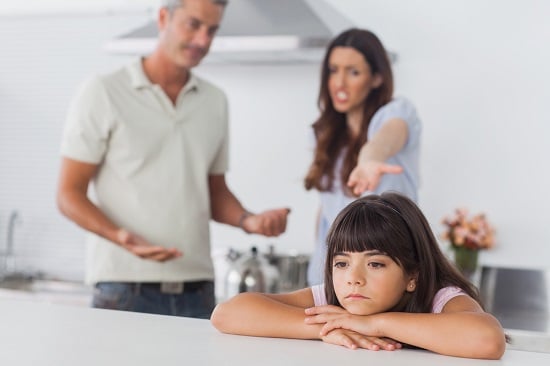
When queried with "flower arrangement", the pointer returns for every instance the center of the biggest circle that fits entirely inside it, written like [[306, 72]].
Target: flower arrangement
[[473, 232], [467, 236]]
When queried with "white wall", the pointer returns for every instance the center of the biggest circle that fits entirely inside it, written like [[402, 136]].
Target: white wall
[[43, 60], [475, 70], [271, 109], [478, 72]]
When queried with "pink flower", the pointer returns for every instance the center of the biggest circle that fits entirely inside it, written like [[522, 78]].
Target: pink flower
[[471, 232]]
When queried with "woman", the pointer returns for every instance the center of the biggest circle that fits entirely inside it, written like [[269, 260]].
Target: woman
[[365, 141]]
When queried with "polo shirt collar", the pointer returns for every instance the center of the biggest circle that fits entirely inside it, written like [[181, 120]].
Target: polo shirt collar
[[140, 80], [192, 83]]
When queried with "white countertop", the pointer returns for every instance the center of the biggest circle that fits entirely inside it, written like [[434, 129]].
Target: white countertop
[[57, 335], [68, 297]]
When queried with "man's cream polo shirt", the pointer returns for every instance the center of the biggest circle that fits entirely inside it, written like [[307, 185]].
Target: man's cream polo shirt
[[154, 161]]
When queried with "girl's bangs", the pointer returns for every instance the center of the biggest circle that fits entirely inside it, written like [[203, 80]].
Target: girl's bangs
[[362, 231]]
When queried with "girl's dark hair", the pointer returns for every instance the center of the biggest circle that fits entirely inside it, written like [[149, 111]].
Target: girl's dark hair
[[392, 224], [330, 129]]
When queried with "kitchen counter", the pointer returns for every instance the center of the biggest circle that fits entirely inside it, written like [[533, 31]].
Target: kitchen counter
[[54, 292], [57, 335]]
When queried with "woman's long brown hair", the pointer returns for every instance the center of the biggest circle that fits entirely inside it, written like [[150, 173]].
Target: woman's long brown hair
[[330, 129]]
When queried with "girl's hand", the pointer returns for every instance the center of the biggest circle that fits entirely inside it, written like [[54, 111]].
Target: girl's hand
[[334, 317], [335, 330], [354, 340], [362, 324], [325, 314]]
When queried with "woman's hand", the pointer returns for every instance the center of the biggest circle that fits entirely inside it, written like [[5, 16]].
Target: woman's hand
[[371, 166], [366, 176], [348, 330]]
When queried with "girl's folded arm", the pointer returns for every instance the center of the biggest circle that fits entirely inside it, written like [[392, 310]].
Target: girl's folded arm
[[462, 329], [267, 315]]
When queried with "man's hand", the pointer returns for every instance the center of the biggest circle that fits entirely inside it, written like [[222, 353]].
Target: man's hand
[[143, 249], [268, 223]]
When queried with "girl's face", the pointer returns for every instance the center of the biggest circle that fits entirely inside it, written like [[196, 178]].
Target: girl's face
[[350, 79], [369, 282]]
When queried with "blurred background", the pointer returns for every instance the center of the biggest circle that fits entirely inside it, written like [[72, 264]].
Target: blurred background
[[477, 72]]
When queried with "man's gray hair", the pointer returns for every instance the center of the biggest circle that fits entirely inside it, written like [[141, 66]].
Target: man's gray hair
[[171, 4]]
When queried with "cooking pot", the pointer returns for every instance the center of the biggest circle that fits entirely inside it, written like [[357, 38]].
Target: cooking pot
[[250, 273], [272, 272], [292, 270]]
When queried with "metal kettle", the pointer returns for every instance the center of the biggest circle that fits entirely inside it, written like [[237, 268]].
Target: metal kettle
[[250, 273]]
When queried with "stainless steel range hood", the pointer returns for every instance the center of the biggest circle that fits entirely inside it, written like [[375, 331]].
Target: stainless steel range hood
[[257, 31]]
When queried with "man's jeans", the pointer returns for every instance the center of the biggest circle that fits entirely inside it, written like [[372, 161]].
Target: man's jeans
[[196, 301]]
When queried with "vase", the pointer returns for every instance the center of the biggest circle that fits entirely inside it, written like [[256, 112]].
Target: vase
[[466, 260]]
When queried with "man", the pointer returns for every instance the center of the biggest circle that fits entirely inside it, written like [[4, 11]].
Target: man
[[153, 138]]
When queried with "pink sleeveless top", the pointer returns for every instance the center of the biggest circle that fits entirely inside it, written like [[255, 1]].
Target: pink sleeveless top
[[440, 299]]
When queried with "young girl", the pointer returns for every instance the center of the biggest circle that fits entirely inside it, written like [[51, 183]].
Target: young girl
[[387, 283]]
